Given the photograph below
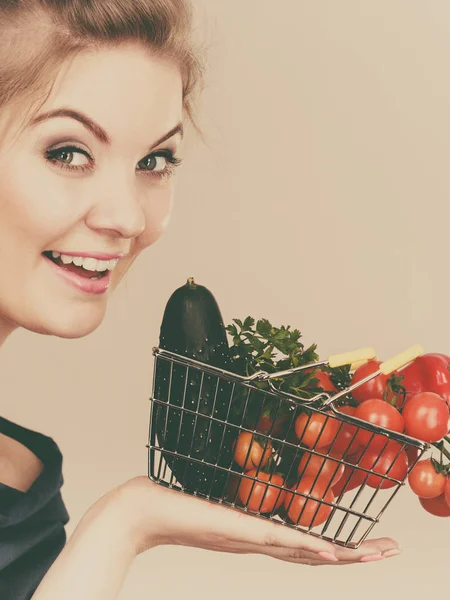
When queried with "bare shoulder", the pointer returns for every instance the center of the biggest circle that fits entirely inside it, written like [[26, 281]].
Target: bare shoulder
[[19, 466]]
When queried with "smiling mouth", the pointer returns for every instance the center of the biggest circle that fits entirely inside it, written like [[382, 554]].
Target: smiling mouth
[[89, 268]]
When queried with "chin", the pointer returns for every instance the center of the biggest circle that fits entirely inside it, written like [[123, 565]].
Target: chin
[[70, 325]]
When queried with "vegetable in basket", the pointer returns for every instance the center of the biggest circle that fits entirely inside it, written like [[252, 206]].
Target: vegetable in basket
[[192, 326]]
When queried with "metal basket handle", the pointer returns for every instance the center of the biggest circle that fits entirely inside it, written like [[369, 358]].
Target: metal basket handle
[[396, 363], [355, 359]]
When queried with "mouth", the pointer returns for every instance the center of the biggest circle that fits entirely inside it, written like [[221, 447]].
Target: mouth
[[86, 267]]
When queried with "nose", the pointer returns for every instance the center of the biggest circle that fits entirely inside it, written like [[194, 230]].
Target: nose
[[118, 212]]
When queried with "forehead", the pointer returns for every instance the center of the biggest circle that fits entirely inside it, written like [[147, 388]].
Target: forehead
[[127, 90]]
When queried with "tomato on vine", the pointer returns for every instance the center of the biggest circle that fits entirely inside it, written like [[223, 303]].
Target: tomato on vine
[[425, 481]]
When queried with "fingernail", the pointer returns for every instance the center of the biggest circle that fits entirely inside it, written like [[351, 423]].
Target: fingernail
[[392, 552], [328, 556], [372, 558]]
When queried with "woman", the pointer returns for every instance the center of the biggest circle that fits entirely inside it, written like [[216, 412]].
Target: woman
[[93, 98]]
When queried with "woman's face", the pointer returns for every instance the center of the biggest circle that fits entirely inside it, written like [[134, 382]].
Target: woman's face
[[85, 187]]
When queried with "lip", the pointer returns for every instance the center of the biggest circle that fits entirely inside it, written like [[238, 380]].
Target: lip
[[88, 286], [97, 255]]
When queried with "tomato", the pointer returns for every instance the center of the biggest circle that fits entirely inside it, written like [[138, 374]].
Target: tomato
[[351, 479], [346, 441], [316, 431], [306, 507], [259, 496], [379, 413], [425, 482], [392, 462], [373, 388], [324, 381], [426, 417], [412, 454], [249, 454], [447, 491], [232, 488], [436, 506], [312, 464], [266, 424], [428, 373]]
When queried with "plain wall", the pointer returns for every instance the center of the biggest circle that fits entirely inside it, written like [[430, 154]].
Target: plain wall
[[321, 201]]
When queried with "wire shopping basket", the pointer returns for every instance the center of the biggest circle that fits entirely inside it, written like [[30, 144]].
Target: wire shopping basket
[[312, 466]]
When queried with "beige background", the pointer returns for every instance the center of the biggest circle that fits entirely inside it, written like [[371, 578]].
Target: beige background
[[322, 202]]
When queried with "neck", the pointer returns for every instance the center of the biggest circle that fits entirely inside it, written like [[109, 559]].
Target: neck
[[6, 328]]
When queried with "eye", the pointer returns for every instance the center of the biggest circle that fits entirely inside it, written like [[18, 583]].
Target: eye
[[160, 165], [154, 162], [70, 157]]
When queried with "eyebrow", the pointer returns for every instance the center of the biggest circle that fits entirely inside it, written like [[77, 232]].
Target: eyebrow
[[96, 130]]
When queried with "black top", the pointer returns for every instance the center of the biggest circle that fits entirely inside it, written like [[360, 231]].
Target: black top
[[31, 523]]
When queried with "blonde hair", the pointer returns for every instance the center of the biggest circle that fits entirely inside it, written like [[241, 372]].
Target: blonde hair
[[36, 36]]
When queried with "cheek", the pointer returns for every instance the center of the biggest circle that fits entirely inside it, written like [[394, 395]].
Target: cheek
[[34, 203], [157, 211]]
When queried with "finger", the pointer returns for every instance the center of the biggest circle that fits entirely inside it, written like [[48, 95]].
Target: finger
[[367, 548], [292, 555], [250, 530]]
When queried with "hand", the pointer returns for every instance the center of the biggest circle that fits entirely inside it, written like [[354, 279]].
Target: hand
[[158, 516]]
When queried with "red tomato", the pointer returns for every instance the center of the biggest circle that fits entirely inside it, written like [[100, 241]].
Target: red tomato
[[436, 506], [312, 464], [317, 430], [306, 507], [412, 454], [325, 382], [259, 496], [425, 482], [447, 491], [351, 479], [249, 454], [379, 413], [346, 441], [428, 373], [373, 388], [232, 489], [426, 417], [266, 424], [392, 462]]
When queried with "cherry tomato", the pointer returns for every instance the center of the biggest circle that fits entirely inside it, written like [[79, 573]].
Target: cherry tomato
[[232, 489], [373, 388], [346, 440], [436, 506], [447, 491], [306, 507], [259, 496], [267, 425], [249, 454], [425, 482], [351, 479], [324, 381], [428, 373], [311, 465], [392, 462], [317, 430], [379, 413], [412, 454], [426, 417]]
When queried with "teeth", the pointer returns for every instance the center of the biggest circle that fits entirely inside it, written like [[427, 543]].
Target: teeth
[[89, 263], [102, 265]]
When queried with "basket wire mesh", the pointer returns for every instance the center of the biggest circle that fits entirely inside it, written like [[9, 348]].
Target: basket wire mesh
[[198, 414]]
